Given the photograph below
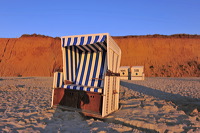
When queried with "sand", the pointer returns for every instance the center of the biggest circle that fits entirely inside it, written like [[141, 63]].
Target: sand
[[153, 105]]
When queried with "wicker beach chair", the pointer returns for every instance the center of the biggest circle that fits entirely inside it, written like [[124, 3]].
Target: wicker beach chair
[[90, 80]]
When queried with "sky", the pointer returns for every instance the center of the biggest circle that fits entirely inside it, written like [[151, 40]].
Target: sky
[[58, 18]]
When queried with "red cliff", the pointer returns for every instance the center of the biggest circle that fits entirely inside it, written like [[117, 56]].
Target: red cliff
[[30, 56], [169, 56]]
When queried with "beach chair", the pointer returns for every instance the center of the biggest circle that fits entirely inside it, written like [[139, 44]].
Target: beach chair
[[125, 72], [137, 73], [90, 80]]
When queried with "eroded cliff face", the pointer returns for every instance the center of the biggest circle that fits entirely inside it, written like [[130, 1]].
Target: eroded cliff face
[[30, 56], [168, 56]]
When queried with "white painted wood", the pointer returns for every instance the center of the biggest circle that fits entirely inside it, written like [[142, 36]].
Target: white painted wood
[[55, 80], [110, 94], [105, 101], [110, 57], [117, 93], [52, 97]]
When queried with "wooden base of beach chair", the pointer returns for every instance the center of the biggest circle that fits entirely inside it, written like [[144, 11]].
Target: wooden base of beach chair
[[70, 98], [86, 113], [91, 101], [57, 96]]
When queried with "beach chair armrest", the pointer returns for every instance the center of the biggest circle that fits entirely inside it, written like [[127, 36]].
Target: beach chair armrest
[[67, 82], [110, 73]]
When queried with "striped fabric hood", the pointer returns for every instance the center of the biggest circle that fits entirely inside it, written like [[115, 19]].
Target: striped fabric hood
[[90, 43], [86, 58]]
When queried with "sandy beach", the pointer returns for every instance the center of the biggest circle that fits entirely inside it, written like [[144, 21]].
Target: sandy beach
[[163, 105]]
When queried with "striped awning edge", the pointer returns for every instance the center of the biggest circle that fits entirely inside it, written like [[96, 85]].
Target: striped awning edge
[[82, 40], [83, 88]]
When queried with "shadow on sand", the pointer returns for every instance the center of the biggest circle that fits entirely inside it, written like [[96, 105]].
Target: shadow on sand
[[187, 104]]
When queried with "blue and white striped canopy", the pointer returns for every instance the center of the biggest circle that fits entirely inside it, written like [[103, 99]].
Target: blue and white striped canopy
[[82, 40], [91, 43]]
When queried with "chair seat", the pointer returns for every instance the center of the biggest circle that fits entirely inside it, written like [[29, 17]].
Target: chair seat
[[83, 88]]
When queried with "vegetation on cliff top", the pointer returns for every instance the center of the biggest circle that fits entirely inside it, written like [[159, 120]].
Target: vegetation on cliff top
[[37, 35], [129, 36], [161, 36]]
